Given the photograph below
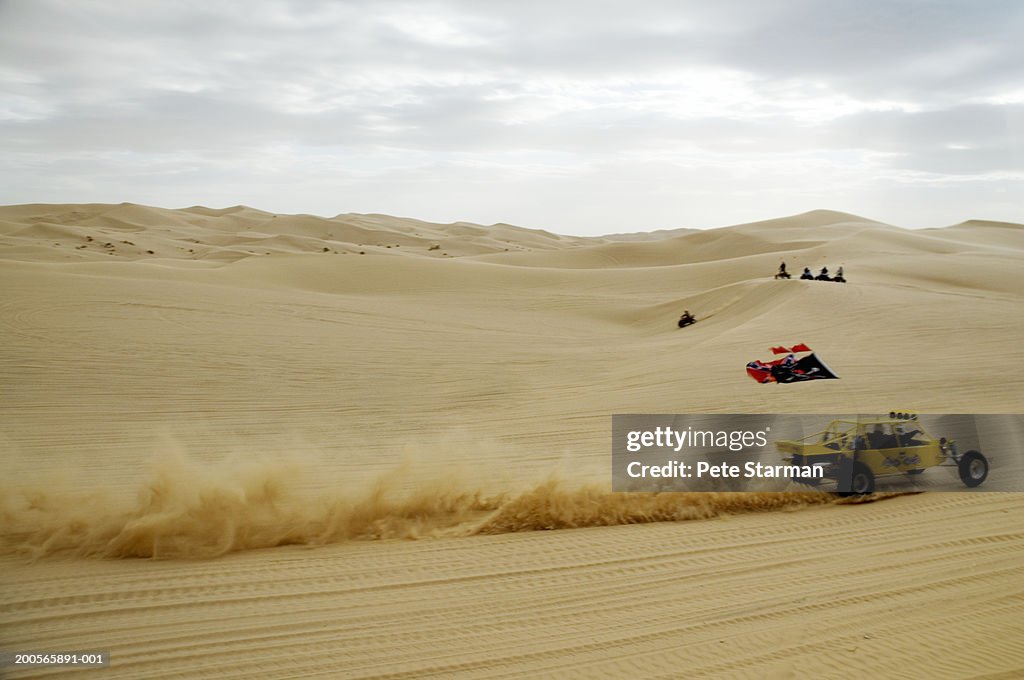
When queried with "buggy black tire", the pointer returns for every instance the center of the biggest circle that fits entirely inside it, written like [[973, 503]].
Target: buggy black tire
[[863, 480], [856, 480], [973, 468], [915, 472]]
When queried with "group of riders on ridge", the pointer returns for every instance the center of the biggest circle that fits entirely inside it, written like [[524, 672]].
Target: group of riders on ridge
[[808, 276]]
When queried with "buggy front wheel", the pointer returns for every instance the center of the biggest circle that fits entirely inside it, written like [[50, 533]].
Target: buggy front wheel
[[973, 468]]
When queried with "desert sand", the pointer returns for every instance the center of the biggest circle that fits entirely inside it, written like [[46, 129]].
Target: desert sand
[[239, 444]]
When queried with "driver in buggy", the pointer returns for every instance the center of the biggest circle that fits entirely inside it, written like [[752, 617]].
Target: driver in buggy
[[807, 275], [908, 438], [686, 319]]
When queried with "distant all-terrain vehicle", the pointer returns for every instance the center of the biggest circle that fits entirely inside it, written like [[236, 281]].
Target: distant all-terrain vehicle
[[783, 275], [687, 319], [807, 275], [854, 452]]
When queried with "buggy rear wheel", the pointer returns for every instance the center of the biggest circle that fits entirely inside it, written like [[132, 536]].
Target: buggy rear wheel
[[863, 480], [856, 479], [973, 468]]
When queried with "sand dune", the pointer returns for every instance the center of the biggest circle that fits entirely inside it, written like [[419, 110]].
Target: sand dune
[[60, 233], [271, 403]]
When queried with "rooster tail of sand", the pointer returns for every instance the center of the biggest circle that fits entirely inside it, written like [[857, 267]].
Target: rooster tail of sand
[[186, 509]]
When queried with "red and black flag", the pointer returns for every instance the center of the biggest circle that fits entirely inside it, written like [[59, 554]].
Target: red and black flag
[[791, 368]]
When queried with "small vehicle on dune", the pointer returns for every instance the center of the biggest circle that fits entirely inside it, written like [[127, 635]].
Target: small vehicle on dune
[[854, 452], [687, 319]]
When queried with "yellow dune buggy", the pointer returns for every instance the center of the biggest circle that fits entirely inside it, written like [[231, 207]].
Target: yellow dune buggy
[[854, 452]]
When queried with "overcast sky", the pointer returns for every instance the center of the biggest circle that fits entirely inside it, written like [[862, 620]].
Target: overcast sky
[[582, 117]]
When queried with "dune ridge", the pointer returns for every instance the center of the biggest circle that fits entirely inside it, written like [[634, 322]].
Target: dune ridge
[[90, 232], [71, 233]]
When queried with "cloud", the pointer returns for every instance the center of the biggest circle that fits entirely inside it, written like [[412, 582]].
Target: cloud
[[664, 110]]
